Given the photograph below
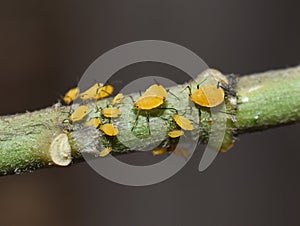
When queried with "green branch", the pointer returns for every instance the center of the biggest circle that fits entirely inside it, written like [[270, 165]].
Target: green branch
[[32, 140]]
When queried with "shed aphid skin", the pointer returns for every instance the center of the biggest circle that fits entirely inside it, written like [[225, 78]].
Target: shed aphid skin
[[158, 151], [71, 95], [105, 152], [79, 113], [60, 150], [109, 129], [183, 122], [91, 93], [117, 99], [175, 133], [95, 122], [111, 112]]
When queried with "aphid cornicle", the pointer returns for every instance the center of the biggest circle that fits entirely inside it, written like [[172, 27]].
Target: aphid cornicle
[[109, 129], [95, 122], [71, 95], [111, 112], [79, 113], [175, 133], [183, 122]]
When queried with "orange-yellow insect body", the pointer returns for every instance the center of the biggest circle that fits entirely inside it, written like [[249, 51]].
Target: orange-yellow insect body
[[71, 95], [153, 97], [79, 113], [92, 92], [159, 151], [95, 122], [175, 133], [183, 122], [111, 112], [208, 96], [117, 99], [148, 102], [109, 129], [156, 90], [105, 152], [104, 91]]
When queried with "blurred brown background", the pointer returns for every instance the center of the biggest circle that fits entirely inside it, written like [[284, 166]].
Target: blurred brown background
[[45, 46]]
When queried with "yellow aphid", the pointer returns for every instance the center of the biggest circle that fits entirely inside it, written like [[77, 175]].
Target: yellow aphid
[[175, 133], [105, 152], [79, 113], [92, 92], [93, 122], [104, 91], [148, 102], [183, 122], [111, 112], [156, 90], [208, 96], [109, 129], [159, 151], [117, 99], [71, 95], [154, 96]]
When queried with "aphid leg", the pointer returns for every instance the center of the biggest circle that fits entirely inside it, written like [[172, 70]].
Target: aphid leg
[[148, 122], [199, 111], [169, 109], [136, 120]]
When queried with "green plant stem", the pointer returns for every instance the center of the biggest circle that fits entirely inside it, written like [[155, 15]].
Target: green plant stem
[[263, 100]]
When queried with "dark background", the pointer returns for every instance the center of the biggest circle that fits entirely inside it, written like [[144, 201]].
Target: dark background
[[45, 46]]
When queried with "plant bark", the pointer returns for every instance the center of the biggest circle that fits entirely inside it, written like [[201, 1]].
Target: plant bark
[[263, 100]]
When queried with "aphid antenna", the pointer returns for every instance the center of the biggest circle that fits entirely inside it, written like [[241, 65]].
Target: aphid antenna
[[198, 85], [226, 89], [157, 83], [168, 90], [131, 98], [189, 88]]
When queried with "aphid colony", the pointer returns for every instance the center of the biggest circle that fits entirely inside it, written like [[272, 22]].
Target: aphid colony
[[153, 98]]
